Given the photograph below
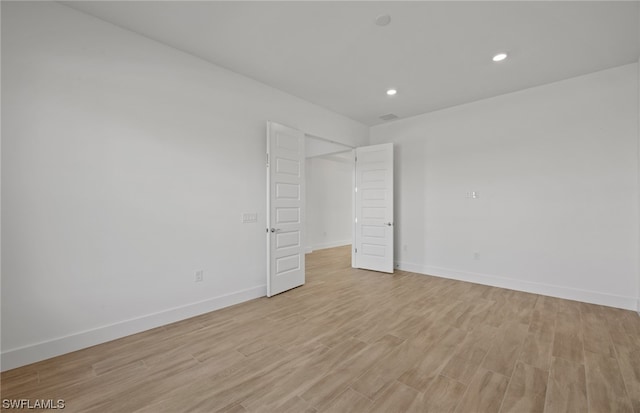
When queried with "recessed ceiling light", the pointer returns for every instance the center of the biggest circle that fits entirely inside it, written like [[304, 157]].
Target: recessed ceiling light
[[499, 57], [391, 92], [383, 20]]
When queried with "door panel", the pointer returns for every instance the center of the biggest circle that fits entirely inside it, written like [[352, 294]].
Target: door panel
[[285, 208], [374, 208]]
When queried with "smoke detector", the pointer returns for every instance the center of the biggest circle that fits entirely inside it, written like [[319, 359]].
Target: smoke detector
[[383, 20]]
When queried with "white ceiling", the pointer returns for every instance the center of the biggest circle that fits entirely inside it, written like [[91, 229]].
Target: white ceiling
[[437, 54]]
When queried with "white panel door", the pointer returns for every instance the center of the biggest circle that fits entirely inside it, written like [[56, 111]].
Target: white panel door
[[285, 208], [373, 240]]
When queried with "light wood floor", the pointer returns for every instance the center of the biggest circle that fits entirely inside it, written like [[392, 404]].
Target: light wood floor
[[359, 341]]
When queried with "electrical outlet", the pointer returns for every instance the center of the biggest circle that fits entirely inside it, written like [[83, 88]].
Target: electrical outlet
[[476, 255], [199, 276]]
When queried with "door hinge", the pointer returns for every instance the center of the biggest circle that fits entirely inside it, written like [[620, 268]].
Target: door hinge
[[356, 250], [267, 160], [356, 159]]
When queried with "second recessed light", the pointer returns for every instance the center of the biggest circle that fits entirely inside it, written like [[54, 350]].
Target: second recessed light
[[499, 57], [391, 92]]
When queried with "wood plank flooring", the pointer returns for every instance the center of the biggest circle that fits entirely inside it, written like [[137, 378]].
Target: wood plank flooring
[[359, 341]]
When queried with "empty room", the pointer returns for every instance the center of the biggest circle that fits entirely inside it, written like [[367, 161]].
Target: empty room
[[326, 206]]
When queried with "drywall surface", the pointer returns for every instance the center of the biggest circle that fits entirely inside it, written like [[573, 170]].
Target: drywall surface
[[126, 168], [329, 196], [555, 171]]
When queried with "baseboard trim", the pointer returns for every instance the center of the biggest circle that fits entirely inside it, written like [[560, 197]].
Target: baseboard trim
[[593, 297], [331, 245], [41, 351]]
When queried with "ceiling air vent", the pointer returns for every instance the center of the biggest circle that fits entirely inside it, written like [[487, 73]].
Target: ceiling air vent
[[388, 116]]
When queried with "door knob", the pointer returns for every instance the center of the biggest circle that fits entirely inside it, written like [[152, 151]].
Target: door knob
[[389, 224], [275, 229]]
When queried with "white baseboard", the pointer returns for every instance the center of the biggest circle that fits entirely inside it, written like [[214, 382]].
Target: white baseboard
[[593, 297], [41, 351], [331, 245]]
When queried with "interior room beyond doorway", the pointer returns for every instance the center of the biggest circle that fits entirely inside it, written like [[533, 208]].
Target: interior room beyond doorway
[[329, 179]]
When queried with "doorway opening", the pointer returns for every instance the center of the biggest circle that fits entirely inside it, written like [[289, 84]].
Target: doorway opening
[[295, 161], [329, 179]]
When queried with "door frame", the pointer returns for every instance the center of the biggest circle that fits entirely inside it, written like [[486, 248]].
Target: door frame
[[304, 183]]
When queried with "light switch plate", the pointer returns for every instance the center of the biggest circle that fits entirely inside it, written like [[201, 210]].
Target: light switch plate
[[249, 217]]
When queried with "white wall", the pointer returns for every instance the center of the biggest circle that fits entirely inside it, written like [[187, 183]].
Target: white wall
[[126, 166], [329, 198], [556, 168]]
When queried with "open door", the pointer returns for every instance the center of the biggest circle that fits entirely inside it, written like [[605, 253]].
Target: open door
[[373, 230], [285, 208]]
